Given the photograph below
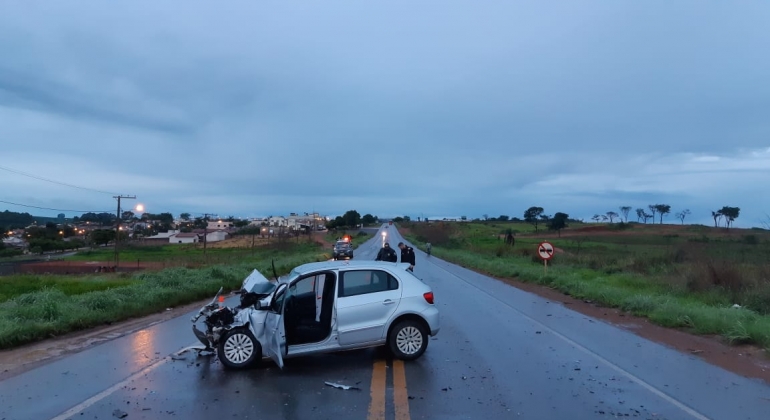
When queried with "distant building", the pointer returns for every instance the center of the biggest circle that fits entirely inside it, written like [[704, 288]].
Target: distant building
[[220, 224], [184, 238], [257, 221], [14, 242], [160, 238], [216, 236]]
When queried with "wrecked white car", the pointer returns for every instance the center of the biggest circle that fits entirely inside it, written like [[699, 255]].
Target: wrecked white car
[[322, 307]]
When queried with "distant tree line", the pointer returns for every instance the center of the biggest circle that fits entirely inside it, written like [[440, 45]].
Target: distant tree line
[[102, 219], [536, 216], [13, 220], [351, 219], [727, 214]]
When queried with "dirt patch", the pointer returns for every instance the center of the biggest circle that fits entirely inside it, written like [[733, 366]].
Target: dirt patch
[[240, 241], [320, 238], [24, 358], [85, 267], [749, 361]]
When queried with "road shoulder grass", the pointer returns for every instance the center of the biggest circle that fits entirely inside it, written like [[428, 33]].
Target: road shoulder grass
[[629, 292], [56, 305]]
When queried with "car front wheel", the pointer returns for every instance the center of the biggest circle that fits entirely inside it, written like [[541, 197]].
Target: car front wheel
[[408, 340], [238, 349]]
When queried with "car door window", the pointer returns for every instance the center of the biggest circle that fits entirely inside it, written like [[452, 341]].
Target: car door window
[[392, 283], [303, 286], [359, 282]]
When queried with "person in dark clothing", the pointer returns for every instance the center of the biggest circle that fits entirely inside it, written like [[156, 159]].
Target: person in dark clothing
[[387, 254], [407, 255]]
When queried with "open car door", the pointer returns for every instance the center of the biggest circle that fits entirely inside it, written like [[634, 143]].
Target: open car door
[[275, 331]]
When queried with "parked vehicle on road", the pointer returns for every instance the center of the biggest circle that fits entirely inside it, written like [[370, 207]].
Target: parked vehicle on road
[[323, 307], [342, 250]]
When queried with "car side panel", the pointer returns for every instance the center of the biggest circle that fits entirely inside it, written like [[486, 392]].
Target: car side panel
[[413, 302], [362, 318], [413, 306]]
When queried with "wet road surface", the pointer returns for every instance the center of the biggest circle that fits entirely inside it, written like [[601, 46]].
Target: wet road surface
[[502, 353]]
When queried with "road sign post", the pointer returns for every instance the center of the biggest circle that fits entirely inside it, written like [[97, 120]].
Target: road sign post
[[545, 252]]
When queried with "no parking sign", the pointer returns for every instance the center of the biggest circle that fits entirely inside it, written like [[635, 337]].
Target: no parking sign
[[545, 251]]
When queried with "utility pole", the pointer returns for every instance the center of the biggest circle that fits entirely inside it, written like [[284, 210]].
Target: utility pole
[[206, 230], [117, 229]]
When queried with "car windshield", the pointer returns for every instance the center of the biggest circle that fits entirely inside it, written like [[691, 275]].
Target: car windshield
[[290, 277], [342, 244]]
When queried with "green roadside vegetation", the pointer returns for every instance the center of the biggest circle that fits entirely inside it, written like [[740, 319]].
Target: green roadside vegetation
[[165, 253], [687, 277], [35, 307]]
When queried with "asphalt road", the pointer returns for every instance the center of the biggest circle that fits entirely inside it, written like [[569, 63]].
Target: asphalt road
[[501, 354]]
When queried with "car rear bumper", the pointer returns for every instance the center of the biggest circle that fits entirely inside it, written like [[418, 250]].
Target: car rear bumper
[[431, 316]]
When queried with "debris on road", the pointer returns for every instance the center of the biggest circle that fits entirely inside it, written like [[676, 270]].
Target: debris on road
[[119, 414], [199, 348], [340, 386]]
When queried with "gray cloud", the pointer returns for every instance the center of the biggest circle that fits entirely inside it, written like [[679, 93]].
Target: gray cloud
[[437, 108]]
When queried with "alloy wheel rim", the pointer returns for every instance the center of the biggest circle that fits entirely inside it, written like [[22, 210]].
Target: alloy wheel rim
[[238, 348], [409, 340]]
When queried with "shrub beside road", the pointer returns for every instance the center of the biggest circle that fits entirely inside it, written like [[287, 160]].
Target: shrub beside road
[[689, 277]]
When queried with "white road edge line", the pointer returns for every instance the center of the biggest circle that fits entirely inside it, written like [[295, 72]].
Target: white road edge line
[[682, 406], [109, 391]]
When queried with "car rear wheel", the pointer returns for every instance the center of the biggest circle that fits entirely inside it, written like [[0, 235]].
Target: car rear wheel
[[238, 349], [408, 340]]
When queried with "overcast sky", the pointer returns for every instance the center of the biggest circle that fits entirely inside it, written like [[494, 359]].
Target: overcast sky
[[428, 109]]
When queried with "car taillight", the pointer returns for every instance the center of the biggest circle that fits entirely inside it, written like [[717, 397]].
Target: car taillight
[[428, 297]]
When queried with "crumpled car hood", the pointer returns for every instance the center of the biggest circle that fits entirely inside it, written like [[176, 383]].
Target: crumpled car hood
[[258, 283]]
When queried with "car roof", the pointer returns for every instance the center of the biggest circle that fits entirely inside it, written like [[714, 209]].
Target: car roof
[[334, 265]]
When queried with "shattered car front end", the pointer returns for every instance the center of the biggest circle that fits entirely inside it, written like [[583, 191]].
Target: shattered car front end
[[254, 294]]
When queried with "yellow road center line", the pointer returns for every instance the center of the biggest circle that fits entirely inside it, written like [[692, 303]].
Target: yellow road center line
[[400, 395], [377, 404]]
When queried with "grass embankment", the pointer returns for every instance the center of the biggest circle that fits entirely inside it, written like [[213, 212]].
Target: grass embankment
[[685, 277], [39, 307], [173, 253]]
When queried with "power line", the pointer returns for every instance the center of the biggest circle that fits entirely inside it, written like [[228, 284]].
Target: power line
[[47, 208], [55, 182]]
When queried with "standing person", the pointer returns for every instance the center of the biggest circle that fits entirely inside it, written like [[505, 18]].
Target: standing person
[[428, 247], [387, 254], [407, 255]]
